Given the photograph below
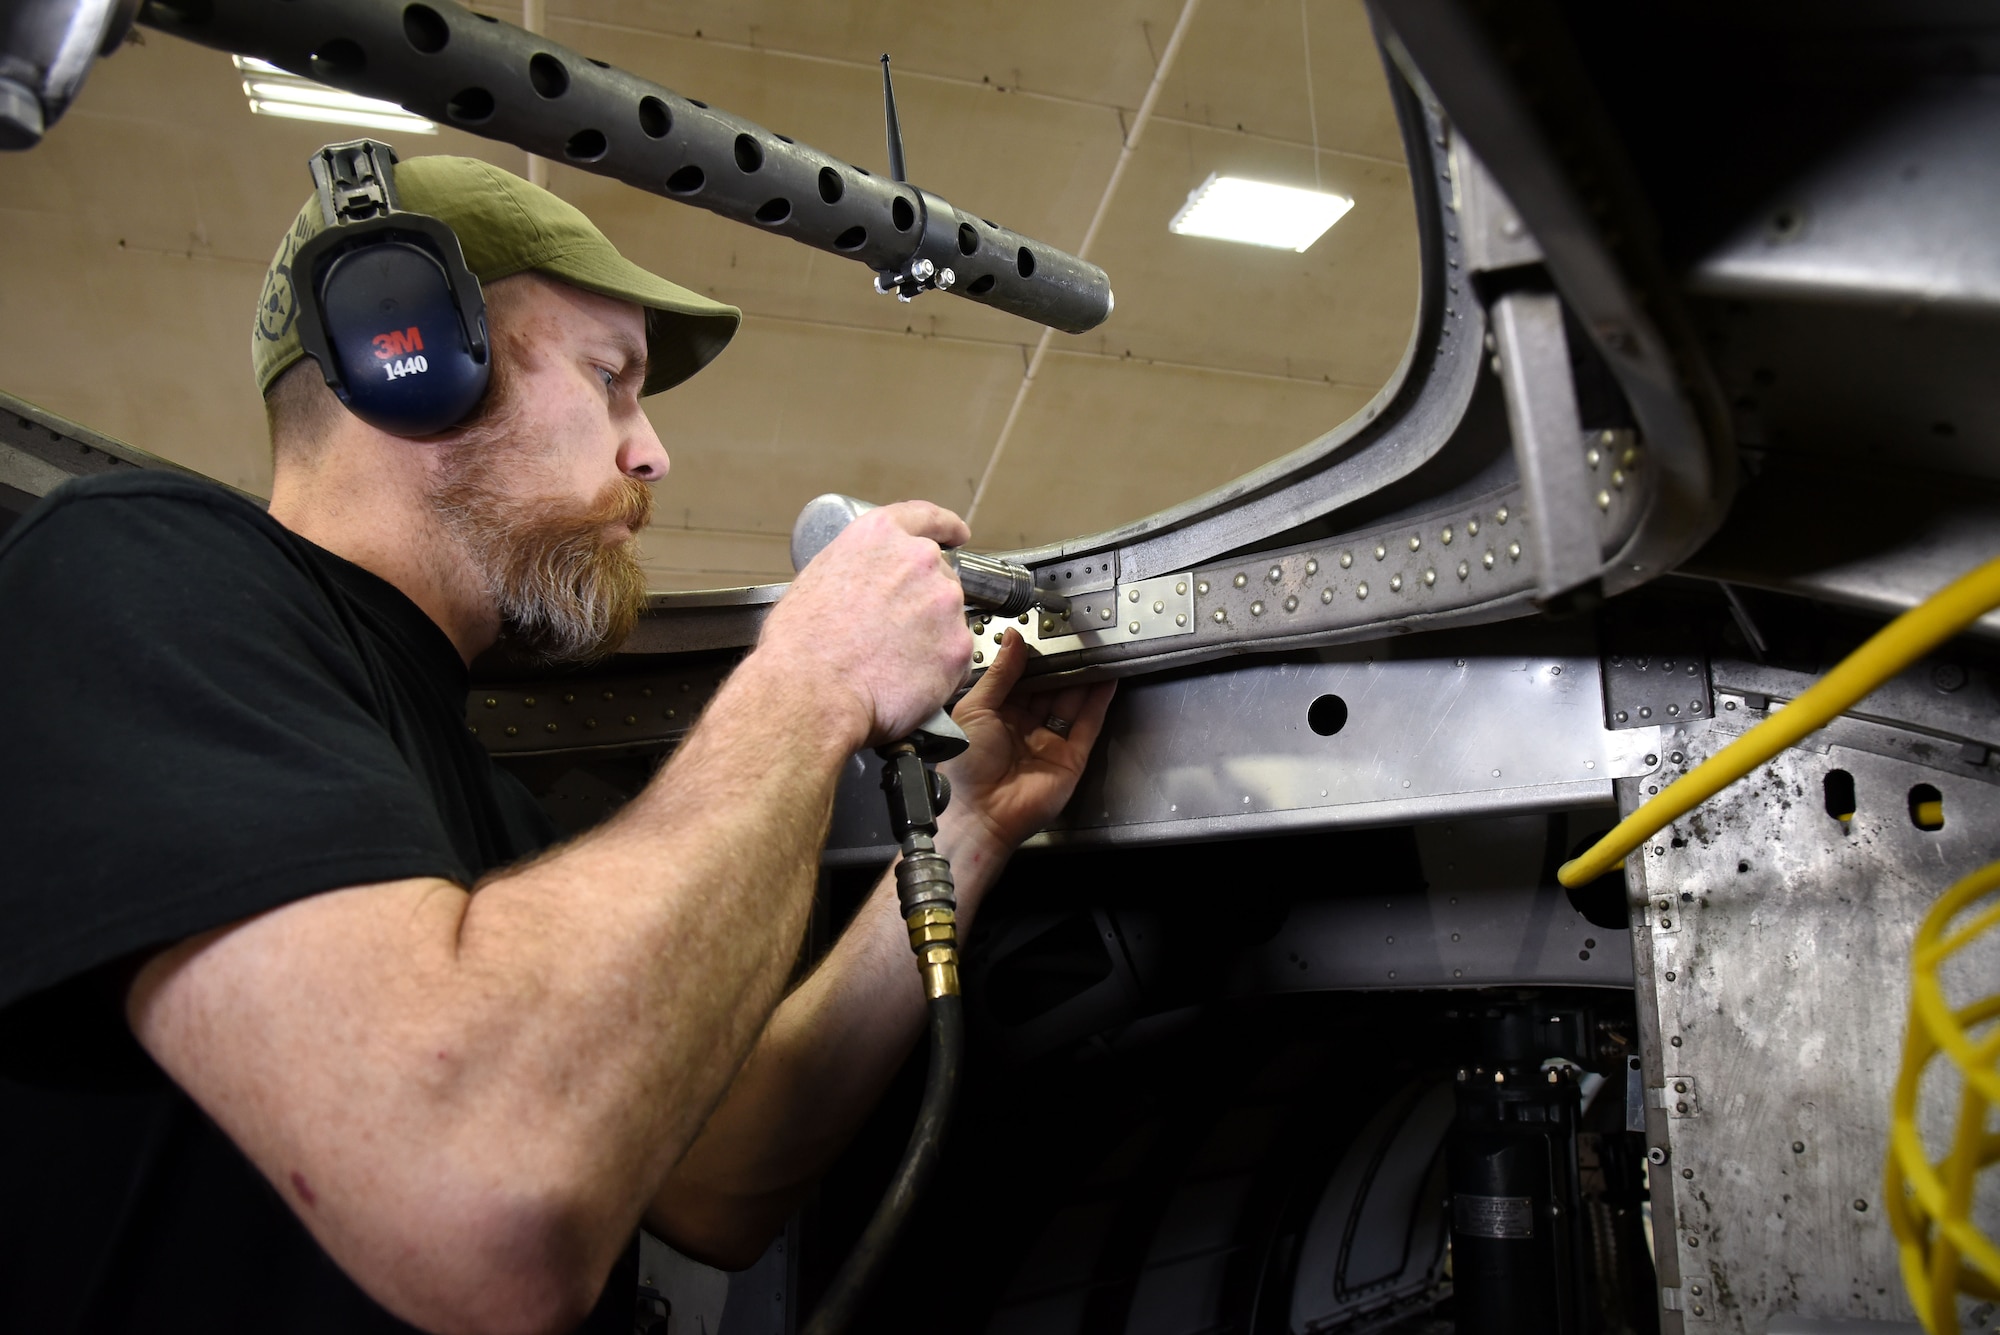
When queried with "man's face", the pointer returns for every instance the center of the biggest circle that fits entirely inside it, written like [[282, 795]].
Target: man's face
[[546, 489]]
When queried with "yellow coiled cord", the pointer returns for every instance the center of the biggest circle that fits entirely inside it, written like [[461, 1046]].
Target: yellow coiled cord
[[1930, 1205]]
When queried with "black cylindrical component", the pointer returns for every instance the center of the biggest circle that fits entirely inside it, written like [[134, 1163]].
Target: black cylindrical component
[[1517, 1242], [463, 69], [837, 1308]]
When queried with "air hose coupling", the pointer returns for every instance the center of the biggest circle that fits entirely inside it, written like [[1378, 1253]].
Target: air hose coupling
[[930, 911], [934, 936]]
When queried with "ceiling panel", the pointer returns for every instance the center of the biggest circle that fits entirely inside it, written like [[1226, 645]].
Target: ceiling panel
[[1339, 312], [793, 410], [1244, 69], [1102, 443], [1101, 52]]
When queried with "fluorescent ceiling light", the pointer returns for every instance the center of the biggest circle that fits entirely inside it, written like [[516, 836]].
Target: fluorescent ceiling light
[[274, 92], [1258, 213]]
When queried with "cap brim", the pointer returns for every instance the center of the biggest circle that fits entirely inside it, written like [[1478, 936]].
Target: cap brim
[[685, 331]]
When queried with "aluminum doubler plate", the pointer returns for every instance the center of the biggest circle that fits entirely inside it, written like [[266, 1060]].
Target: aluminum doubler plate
[[1417, 738], [1233, 751]]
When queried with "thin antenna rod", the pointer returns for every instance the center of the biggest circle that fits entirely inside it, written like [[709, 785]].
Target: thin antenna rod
[[895, 129]]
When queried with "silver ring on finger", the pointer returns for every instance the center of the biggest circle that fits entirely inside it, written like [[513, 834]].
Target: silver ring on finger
[[1059, 726]]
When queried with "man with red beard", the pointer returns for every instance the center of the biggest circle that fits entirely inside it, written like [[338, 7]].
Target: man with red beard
[[306, 1023]]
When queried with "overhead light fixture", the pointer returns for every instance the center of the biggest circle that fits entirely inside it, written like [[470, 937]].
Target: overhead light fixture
[[1259, 213], [276, 92]]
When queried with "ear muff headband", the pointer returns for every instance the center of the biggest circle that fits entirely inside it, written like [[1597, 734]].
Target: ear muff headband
[[387, 308]]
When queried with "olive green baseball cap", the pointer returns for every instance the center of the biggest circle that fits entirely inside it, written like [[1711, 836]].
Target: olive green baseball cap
[[507, 226]]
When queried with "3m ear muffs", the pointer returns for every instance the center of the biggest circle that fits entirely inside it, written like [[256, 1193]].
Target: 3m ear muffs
[[386, 305]]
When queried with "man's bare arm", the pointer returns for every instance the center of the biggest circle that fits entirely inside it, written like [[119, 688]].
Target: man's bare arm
[[468, 1098], [837, 1040]]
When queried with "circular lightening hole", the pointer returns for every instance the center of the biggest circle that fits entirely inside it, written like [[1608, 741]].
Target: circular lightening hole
[[1327, 715], [854, 238], [831, 187], [1024, 262], [902, 213], [586, 146], [968, 240], [687, 181], [774, 211], [981, 285], [749, 153]]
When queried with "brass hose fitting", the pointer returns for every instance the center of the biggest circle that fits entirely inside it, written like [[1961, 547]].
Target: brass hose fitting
[[934, 937]]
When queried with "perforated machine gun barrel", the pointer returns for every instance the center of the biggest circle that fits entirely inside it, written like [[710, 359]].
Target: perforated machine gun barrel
[[490, 78]]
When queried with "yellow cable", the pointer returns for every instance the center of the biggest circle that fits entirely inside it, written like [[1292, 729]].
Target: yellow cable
[[1893, 648]]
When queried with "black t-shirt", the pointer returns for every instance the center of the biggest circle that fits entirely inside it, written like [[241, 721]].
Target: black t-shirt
[[202, 716]]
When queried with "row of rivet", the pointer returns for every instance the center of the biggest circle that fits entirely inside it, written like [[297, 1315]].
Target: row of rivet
[[569, 698], [1488, 560]]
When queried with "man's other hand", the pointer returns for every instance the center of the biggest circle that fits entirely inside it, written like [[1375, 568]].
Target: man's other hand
[[878, 619], [1020, 772]]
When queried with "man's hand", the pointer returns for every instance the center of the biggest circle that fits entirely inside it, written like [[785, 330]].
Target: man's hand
[[879, 618], [1020, 772]]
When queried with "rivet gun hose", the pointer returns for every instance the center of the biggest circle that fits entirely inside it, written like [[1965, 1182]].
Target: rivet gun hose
[[928, 900]]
